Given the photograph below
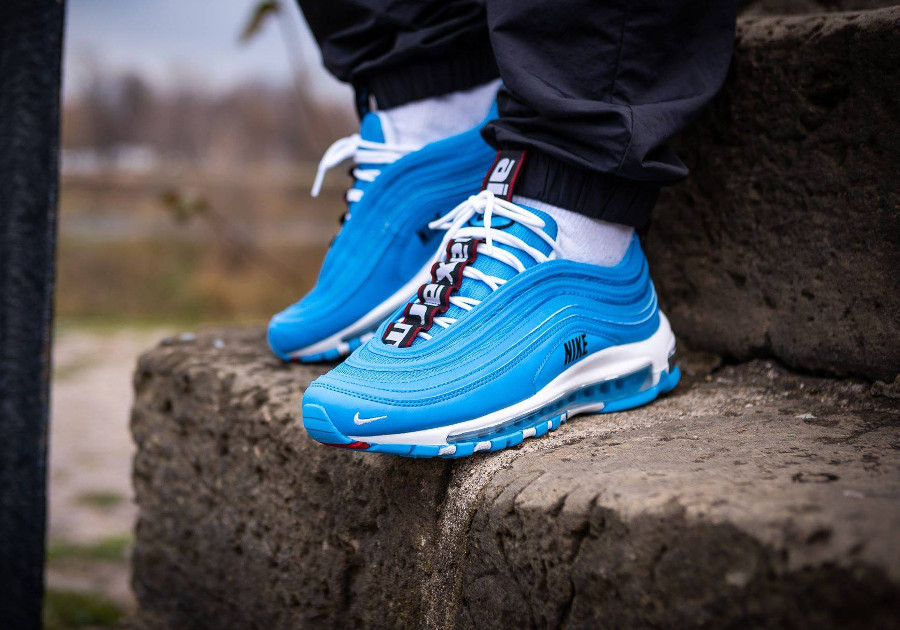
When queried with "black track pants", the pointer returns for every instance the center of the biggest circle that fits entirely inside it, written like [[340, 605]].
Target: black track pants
[[592, 89]]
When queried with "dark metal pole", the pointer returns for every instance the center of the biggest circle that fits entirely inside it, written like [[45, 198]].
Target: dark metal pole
[[30, 53]]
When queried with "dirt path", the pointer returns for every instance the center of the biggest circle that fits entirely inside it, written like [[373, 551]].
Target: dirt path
[[91, 507]]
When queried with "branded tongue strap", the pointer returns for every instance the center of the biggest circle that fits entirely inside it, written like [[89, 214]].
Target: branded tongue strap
[[363, 152], [479, 256], [434, 297], [502, 176]]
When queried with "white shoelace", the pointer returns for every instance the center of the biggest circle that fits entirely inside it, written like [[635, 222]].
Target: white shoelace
[[485, 203], [362, 152]]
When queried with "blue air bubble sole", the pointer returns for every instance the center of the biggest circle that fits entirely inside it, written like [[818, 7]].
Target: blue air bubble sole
[[616, 395]]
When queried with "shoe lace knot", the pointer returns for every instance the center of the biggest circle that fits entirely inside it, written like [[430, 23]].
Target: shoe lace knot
[[420, 315], [363, 152]]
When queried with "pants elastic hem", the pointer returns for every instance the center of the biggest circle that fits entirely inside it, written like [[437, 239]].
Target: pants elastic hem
[[431, 77], [597, 195]]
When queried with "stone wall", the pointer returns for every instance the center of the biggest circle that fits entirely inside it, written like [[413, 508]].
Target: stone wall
[[785, 240], [748, 497]]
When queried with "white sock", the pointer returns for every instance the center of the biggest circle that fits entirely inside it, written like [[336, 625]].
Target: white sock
[[582, 238], [420, 122]]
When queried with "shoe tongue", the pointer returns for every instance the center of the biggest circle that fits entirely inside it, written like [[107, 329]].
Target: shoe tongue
[[490, 266], [520, 231], [494, 267], [372, 128]]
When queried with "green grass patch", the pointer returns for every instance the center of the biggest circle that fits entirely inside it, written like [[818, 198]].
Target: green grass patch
[[101, 500], [73, 609], [68, 370], [111, 549]]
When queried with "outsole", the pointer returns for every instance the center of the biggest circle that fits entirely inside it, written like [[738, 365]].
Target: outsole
[[339, 351], [607, 397]]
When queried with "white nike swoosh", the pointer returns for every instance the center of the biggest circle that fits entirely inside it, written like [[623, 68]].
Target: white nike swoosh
[[357, 420]]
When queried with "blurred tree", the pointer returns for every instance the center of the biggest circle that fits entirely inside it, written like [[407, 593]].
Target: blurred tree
[[316, 125], [135, 104], [100, 115], [261, 13], [186, 206]]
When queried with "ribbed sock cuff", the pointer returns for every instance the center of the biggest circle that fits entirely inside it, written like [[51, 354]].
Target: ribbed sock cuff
[[428, 78], [596, 195]]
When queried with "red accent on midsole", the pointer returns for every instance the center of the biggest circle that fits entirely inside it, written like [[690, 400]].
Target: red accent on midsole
[[354, 445]]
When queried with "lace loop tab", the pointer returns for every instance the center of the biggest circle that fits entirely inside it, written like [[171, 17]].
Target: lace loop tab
[[433, 298]]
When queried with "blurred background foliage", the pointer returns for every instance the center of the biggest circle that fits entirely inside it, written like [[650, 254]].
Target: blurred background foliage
[[186, 202]]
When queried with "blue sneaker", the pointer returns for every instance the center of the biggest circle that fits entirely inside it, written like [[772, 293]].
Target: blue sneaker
[[385, 247], [504, 342]]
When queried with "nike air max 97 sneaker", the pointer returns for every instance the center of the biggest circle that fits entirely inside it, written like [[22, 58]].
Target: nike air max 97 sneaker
[[503, 341]]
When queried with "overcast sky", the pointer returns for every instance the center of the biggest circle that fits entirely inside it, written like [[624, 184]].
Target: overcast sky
[[182, 41]]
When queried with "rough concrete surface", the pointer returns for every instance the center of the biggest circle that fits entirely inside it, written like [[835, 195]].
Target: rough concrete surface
[[749, 497], [784, 240]]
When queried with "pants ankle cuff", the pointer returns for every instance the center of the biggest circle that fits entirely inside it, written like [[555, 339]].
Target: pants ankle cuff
[[428, 78], [596, 195]]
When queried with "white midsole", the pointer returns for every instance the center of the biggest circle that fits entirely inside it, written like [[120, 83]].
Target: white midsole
[[371, 320], [595, 368]]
